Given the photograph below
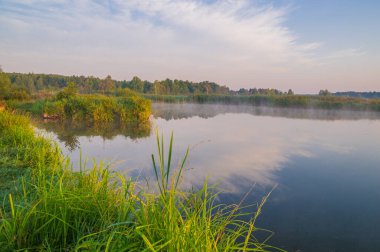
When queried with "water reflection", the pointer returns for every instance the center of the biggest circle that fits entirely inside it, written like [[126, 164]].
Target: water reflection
[[68, 132], [325, 165], [184, 110]]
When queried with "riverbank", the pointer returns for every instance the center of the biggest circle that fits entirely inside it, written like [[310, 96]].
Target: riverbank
[[50, 207]]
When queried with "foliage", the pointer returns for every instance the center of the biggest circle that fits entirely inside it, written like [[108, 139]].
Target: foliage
[[324, 92], [122, 92], [68, 92], [20, 149], [38, 82], [7, 91], [90, 108], [5, 85], [107, 84], [43, 86], [367, 95], [58, 209]]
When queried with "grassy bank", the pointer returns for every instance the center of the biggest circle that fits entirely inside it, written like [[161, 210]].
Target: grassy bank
[[21, 151], [53, 208], [285, 101], [97, 108]]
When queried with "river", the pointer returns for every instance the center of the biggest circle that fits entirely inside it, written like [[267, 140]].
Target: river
[[323, 166]]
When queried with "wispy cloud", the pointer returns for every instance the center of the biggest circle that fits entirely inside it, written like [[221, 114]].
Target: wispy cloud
[[233, 42], [346, 53]]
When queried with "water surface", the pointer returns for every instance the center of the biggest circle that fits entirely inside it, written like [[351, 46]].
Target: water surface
[[324, 165]]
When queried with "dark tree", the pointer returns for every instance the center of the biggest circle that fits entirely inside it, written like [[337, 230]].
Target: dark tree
[[324, 92]]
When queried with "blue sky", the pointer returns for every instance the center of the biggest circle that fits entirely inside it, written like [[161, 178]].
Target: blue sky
[[349, 22], [306, 45]]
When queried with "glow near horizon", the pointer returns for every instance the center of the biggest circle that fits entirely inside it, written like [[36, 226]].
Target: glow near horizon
[[234, 43]]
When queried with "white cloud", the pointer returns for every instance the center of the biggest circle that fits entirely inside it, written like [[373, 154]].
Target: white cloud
[[238, 43]]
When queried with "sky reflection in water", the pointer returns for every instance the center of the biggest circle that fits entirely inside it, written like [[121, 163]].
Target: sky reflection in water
[[325, 165]]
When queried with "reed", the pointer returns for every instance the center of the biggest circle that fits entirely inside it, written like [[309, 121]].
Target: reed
[[91, 109]]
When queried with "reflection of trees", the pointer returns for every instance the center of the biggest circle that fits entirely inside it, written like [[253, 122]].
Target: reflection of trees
[[71, 140], [69, 131], [182, 110]]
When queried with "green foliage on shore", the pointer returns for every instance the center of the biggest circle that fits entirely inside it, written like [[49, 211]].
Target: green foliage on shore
[[9, 91], [96, 108], [37, 83], [21, 151], [40, 84], [57, 209]]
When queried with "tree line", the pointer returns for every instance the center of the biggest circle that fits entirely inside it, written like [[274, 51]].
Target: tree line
[[22, 85], [31, 83]]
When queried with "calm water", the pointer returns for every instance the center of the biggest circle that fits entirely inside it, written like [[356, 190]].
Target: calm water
[[325, 165]]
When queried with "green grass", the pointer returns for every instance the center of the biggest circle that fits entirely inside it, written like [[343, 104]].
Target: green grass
[[57, 209], [21, 150], [89, 108]]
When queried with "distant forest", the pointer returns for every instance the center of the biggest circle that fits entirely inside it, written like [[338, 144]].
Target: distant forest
[[37, 82], [368, 95], [32, 83]]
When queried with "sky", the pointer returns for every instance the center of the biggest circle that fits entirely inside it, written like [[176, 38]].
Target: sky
[[303, 45]]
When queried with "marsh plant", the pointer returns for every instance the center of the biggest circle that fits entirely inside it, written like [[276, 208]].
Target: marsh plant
[[68, 104]]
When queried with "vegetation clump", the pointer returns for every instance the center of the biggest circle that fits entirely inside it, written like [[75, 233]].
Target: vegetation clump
[[95, 108], [9, 92], [57, 209]]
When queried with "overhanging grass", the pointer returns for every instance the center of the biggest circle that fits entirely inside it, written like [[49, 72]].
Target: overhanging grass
[[21, 151], [57, 209]]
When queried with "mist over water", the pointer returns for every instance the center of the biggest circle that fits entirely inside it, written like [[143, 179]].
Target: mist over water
[[184, 110], [324, 164]]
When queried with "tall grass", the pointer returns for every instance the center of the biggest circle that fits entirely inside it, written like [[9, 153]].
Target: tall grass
[[21, 151], [89, 108], [57, 209]]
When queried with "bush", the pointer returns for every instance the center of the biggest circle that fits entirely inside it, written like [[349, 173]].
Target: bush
[[90, 108]]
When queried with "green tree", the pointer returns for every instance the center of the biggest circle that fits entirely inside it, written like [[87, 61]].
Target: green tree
[[158, 88], [72, 88], [5, 85], [137, 84], [70, 91], [107, 84]]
